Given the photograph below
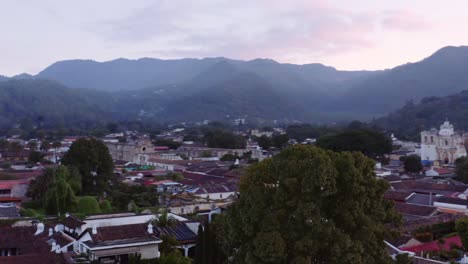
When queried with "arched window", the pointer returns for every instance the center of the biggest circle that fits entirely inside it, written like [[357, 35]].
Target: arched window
[[432, 139], [425, 139], [446, 142]]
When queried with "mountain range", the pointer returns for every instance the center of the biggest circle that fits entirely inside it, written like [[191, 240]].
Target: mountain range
[[220, 88]]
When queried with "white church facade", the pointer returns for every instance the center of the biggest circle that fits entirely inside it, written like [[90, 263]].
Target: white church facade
[[444, 145]]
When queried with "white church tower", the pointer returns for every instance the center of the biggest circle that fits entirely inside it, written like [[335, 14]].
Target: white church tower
[[444, 145]]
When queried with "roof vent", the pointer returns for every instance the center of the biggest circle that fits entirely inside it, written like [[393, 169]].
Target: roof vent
[[51, 231], [94, 231]]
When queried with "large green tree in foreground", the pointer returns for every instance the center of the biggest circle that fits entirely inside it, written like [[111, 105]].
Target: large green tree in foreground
[[308, 205], [91, 157]]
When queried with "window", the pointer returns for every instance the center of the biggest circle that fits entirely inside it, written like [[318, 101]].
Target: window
[[221, 196], [446, 142], [432, 139], [425, 139]]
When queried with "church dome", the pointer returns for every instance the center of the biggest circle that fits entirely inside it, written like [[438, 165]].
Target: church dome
[[446, 129]]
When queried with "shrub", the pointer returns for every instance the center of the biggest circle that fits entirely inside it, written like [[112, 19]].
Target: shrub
[[88, 205]]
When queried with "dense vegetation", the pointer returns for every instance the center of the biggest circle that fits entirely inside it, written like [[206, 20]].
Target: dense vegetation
[[92, 159], [223, 89], [411, 119], [370, 142], [315, 206]]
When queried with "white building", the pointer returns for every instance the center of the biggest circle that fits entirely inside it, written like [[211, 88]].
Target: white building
[[444, 145]]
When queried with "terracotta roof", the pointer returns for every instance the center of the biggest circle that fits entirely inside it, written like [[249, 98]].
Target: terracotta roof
[[398, 196], [435, 245], [410, 225], [428, 187], [122, 232], [72, 222], [416, 210], [452, 200], [33, 248]]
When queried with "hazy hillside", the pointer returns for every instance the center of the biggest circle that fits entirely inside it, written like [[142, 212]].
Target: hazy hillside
[[409, 120], [47, 102], [243, 95], [123, 74], [213, 88], [441, 74]]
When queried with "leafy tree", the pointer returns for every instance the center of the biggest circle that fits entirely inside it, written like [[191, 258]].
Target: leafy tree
[[280, 141], [164, 220], [168, 143], [461, 169], [224, 139], [208, 250], [35, 157], [91, 157], [174, 257], [60, 196], [32, 144], [308, 205], [45, 145], [112, 127], [462, 228], [105, 206], [168, 244], [6, 165], [88, 205], [229, 157], [412, 163], [122, 194], [370, 142], [175, 176], [403, 259], [264, 142]]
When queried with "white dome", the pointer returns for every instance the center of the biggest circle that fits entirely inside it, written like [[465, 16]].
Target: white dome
[[431, 173], [446, 129]]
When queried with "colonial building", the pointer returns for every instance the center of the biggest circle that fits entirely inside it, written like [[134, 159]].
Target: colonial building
[[134, 151], [444, 145]]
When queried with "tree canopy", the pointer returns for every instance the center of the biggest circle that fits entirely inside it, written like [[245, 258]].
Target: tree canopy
[[308, 205], [61, 189], [91, 157], [370, 142], [461, 169], [412, 163], [224, 139]]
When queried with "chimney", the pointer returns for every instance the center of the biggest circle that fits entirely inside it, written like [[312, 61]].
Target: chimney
[[150, 228], [94, 231], [51, 231], [40, 229]]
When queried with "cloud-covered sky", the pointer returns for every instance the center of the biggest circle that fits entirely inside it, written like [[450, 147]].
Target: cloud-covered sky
[[352, 35]]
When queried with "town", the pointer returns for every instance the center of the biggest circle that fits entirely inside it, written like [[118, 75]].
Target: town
[[233, 132], [129, 196]]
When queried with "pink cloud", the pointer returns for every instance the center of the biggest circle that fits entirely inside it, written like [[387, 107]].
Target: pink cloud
[[405, 20]]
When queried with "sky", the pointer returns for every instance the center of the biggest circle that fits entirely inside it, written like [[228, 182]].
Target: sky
[[345, 34]]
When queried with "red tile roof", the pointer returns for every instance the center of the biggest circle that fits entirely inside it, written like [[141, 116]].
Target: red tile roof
[[110, 233], [435, 245], [398, 196], [413, 209]]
